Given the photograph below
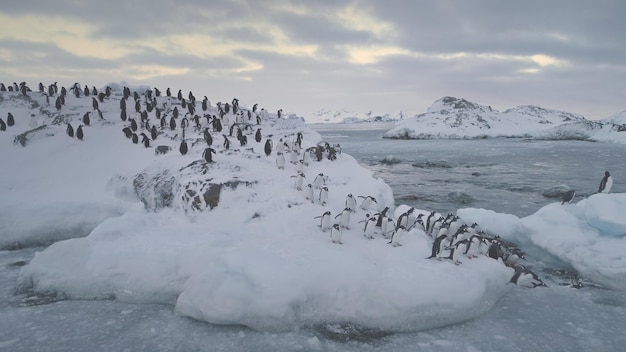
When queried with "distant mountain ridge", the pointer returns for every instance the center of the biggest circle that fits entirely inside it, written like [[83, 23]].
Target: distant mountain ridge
[[457, 118], [345, 116]]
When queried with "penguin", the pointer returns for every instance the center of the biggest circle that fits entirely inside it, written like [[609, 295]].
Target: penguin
[[293, 157], [94, 103], [133, 124], [207, 137], [135, 138], [319, 181], [351, 202], [398, 235], [175, 112], [153, 132], [205, 103], [526, 278], [183, 147], [494, 251], [268, 147], [323, 197], [309, 193], [69, 130], [257, 136], [381, 216], [243, 140], [145, 140], [344, 220], [367, 202], [437, 246], [208, 154], [387, 227], [300, 167], [86, 119], [127, 132], [370, 227], [324, 221], [10, 120], [280, 161], [606, 183], [172, 123], [299, 181], [568, 197], [123, 115], [335, 234], [79, 132], [163, 122]]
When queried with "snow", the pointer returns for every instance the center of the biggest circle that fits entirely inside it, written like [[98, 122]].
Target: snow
[[258, 258], [347, 116], [457, 118], [589, 235]]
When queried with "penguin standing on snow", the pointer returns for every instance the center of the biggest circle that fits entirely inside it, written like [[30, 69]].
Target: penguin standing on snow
[[299, 181], [351, 202], [145, 140], [268, 147], [323, 198], [183, 147], [335, 234], [309, 193], [606, 183], [207, 154], [324, 220], [280, 161], [367, 202], [10, 120], [79, 132], [344, 220], [370, 227], [396, 238], [69, 130]]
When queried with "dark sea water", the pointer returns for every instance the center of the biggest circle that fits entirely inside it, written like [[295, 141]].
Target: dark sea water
[[506, 175]]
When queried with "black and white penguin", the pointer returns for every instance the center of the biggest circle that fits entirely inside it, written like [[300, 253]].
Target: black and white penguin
[[351, 202], [398, 235], [183, 147], [257, 136], [208, 154], [172, 123], [381, 215], [606, 183], [280, 161], [86, 119], [153, 132], [133, 124], [145, 140], [324, 220], [10, 120], [319, 181], [127, 132], [335, 234], [69, 130], [299, 181], [526, 278], [436, 249], [367, 202], [323, 197], [79, 132], [370, 227], [268, 147], [568, 197], [123, 115], [94, 103], [135, 138], [344, 217]]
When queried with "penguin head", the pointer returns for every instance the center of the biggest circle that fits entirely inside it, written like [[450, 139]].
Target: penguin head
[[606, 173]]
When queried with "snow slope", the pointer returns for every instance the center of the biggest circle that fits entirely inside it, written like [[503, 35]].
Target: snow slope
[[140, 227], [451, 117]]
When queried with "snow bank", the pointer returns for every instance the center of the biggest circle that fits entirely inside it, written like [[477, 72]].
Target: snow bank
[[590, 235]]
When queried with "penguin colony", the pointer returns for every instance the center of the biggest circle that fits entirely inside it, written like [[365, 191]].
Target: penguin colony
[[175, 118]]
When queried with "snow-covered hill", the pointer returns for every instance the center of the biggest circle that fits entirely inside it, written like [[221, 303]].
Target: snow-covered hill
[[451, 117], [348, 116]]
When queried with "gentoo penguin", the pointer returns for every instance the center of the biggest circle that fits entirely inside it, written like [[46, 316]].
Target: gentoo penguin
[[127, 132], [370, 227], [226, 142], [351, 202], [387, 226], [268, 147], [133, 124], [606, 183], [153, 132], [207, 137], [207, 154], [86, 118], [526, 278], [318, 182], [335, 234], [94, 103], [135, 138], [123, 115], [299, 181], [344, 221], [3, 126], [172, 123], [183, 147], [280, 161], [396, 238], [145, 140], [79, 132], [69, 130], [10, 120], [323, 197], [568, 196], [437, 246], [258, 136], [367, 202], [309, 193], [381, 216], [324, 220]]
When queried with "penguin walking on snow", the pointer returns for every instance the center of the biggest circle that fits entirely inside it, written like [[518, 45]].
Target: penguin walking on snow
[[325, 220], [398, 235], [79, 132], [367, 202], [370, 227], [268, 147], [606, 183], [323, 197], [207, 154], [335, 234], [344, 220], [69, 130], [351, 202]]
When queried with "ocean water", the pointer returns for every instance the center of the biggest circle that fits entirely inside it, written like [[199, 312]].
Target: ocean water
[[507, 175]]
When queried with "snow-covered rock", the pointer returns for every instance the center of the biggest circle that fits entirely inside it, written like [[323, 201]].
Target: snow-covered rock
[[349, 116], [456, 118]]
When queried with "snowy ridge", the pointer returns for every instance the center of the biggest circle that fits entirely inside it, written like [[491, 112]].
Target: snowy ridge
[[451, 117], [349, 116]]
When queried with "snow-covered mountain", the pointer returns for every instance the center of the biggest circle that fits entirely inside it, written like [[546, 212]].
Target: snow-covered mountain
[[451, 117], [349, 116]]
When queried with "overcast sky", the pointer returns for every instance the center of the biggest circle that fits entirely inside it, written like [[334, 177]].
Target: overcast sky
[[301, 56]]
